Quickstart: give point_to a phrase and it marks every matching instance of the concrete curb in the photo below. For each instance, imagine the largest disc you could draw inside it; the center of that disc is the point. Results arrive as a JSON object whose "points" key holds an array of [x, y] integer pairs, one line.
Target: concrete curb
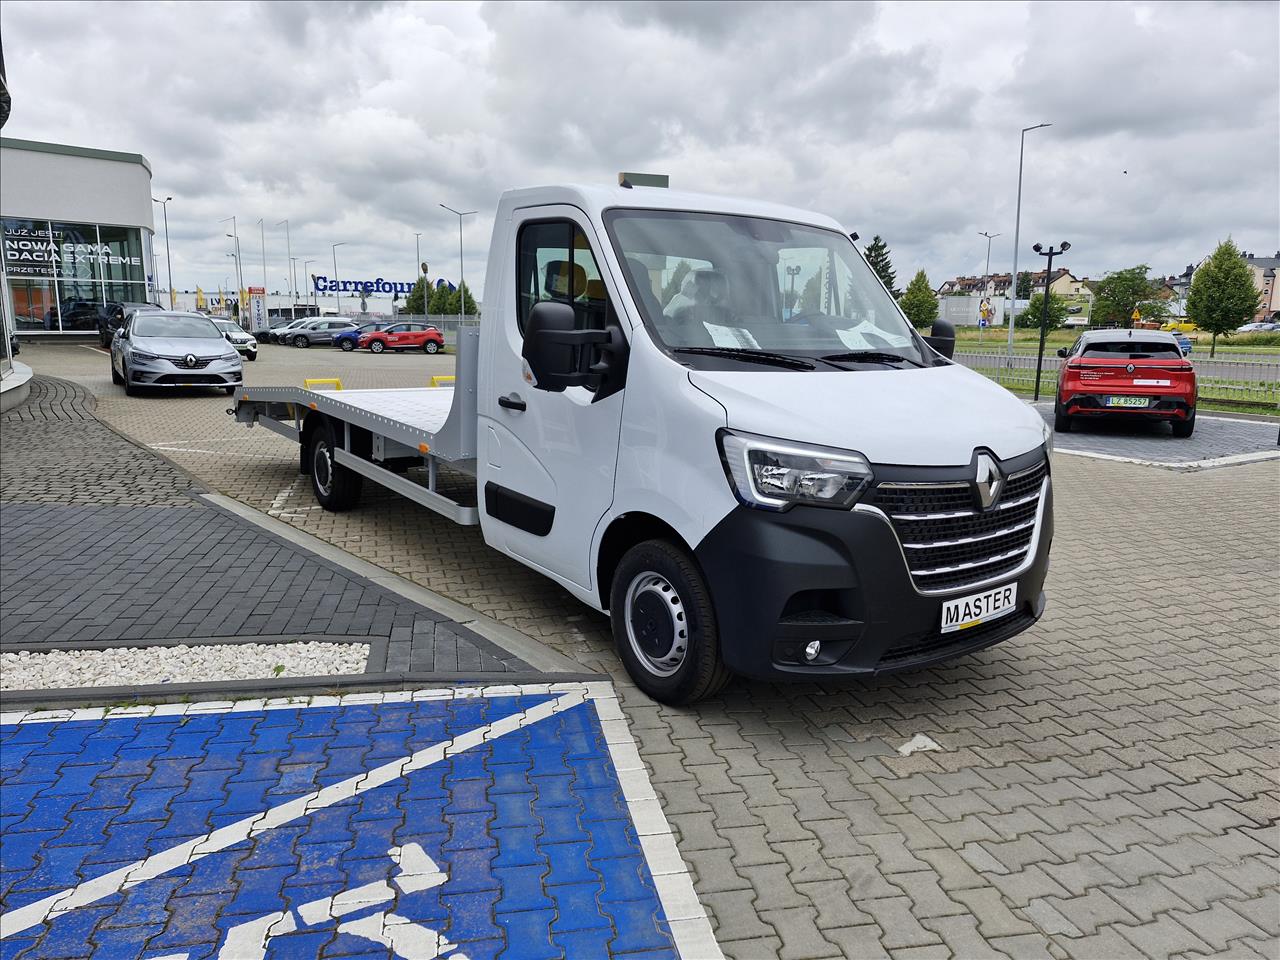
{"points": [[273, 687], [536, 654]]}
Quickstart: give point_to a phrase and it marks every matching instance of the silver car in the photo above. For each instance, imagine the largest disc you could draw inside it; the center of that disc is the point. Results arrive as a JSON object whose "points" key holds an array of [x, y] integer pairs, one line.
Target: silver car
{"points": [[166, 349]]}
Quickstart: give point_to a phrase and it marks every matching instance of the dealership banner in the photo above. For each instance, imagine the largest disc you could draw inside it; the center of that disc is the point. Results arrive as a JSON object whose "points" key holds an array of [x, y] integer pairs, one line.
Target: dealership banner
{"points": [[34, 248]]}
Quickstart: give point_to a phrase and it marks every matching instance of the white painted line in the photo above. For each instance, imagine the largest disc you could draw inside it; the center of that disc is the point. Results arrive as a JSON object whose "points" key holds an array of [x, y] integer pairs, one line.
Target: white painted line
{"points": [[1232, 459], [686, 918], [95, 889]]}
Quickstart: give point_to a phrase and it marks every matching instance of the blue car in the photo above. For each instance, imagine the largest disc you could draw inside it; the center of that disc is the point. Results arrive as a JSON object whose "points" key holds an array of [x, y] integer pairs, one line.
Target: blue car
{"points": [[348, 340], [1184, 342]]}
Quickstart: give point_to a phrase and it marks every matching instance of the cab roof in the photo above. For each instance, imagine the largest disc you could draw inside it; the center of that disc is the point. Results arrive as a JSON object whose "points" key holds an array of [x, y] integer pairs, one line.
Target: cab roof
{"points": [[594, 200], [1090, 336]]}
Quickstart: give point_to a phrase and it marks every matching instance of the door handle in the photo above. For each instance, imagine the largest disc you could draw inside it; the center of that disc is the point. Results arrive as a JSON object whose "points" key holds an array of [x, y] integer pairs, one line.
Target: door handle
{"points": [[512, 402]]}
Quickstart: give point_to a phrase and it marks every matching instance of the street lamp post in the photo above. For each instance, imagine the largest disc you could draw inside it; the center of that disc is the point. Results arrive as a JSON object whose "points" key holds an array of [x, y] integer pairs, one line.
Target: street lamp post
{"points": [[793, 272], [235, 235], [986, 281], [236, 260], [168, 258], [462, 284], [1044, 312], [338, 290], [417, 269], [262, 239], [315, 299], [1017, 226], [293, 284]]}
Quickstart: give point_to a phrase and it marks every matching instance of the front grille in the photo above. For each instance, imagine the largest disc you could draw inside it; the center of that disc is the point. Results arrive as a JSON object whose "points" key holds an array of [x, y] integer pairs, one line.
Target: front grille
{"points": [[199, 364], [191, 378], [948, 542]]}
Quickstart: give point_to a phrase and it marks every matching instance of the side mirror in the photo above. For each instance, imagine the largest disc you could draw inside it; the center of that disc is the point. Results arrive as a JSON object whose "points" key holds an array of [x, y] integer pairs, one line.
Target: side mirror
{"points": [[559, 355], [942, 338], [227, 336], [1062, 352]]}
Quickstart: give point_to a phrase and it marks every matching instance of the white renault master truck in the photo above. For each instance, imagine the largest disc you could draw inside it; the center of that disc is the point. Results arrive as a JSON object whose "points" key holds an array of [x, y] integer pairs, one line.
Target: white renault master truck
{"points": [[706, 417]]}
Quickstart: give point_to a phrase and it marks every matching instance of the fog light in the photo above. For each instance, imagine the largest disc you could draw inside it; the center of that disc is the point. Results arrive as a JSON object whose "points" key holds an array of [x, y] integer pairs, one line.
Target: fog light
{"points": [[812, 649]]}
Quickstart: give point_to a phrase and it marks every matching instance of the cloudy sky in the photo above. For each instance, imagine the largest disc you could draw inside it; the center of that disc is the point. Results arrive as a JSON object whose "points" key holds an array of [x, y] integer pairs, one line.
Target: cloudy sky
{"points": [[355, 120]]}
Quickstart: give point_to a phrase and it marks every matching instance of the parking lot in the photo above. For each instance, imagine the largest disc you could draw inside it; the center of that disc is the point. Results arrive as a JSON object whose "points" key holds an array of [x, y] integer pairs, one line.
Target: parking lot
{"points": [[1104, 785]]}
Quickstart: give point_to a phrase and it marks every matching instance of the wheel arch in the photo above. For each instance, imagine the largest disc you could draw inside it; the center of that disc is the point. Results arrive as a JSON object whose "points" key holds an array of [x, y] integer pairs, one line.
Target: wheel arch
{"points": [[623, 533]]}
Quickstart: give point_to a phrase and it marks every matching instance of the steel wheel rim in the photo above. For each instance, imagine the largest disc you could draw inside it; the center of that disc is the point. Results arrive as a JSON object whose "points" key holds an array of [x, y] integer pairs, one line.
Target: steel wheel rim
{"points": [[322, 468], [660, 645]]}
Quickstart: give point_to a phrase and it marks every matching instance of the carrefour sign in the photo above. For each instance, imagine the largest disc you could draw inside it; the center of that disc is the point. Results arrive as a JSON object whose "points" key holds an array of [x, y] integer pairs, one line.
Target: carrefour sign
{"points": [[325, 285]]}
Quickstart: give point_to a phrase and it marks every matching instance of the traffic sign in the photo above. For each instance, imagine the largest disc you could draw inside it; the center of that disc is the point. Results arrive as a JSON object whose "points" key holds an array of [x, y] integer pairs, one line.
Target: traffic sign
{"points": [[1136, 315]]}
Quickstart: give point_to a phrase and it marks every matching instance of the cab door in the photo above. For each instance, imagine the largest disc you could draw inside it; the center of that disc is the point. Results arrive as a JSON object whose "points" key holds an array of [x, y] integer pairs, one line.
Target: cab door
{"points": [[546, 461]]}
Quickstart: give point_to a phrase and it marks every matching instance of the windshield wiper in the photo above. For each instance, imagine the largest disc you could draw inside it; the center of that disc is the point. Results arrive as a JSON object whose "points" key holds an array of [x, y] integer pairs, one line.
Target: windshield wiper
{"points": [[750, 356], [871, 356]]}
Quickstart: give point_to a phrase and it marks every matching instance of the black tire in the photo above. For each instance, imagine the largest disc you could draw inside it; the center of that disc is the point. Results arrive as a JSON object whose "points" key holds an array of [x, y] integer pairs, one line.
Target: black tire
{"points": [[251, 356], [228, 390], [1184, 428], [347, 345], [1061, 422], [336, 488], [129, 389], [431, 347], [301, 341], [115, 377], [674, 661], [377, 346]]}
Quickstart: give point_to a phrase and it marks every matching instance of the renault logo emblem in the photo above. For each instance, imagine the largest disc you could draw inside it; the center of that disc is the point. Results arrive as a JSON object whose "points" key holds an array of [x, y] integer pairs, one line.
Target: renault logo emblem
{"points": [[988, 481], [1128, 368], [190, 359]]}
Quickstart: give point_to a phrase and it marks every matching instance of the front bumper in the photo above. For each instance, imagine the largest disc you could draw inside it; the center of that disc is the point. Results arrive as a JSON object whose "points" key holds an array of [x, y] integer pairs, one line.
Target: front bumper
{"points": [[780, 580], [164, 373], [1159, 407], [249, 348]]}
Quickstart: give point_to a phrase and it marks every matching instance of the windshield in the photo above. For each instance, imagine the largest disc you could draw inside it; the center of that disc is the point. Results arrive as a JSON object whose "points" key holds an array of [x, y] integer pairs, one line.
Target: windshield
{"points": [[715, 284], [1132, 349], [186, 328], [227, 326]]}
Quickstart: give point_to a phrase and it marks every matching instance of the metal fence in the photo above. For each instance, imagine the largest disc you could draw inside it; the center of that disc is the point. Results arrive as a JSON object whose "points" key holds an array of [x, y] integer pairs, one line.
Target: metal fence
{"points": [[1220, 381], [446, 324]]}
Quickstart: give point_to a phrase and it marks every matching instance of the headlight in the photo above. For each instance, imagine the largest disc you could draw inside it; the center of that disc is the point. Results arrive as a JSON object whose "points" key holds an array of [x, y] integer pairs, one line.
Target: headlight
{"points": [[775, 475], [230, 356], [1048, 440], [137, 356]]}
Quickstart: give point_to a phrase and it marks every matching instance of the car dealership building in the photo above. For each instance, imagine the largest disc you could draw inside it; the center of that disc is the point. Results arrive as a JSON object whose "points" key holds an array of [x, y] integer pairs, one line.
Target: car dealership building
{"points": [[76, 229]]}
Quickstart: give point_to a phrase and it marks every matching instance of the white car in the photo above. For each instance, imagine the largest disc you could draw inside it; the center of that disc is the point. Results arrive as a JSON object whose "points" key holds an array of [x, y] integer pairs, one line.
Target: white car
{"points": [[245, 343], [166, 349]]}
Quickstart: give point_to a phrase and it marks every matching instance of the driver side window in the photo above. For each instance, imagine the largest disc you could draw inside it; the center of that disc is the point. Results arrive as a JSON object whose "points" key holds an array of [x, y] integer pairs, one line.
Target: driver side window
{"points": [[554, 262]]}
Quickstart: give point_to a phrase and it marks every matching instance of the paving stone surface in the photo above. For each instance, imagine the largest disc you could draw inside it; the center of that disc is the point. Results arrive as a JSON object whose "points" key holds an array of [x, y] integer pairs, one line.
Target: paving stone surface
{"points": [[1216, 435], [126, 554], [1109, 783], [471, 824]]}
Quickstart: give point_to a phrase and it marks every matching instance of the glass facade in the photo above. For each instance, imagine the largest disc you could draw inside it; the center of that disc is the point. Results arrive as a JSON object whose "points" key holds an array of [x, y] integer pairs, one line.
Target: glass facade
{"points": [[63, 276]]}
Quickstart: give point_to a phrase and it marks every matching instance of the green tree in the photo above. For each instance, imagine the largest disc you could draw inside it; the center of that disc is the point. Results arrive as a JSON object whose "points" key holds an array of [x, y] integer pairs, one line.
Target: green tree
{"points": [[1222, 293], [1118, 293], [438, 303], [1024, 284], [471, 311], [1030, 317], [877, 254], [918, 301], [811, 295], [672, 286], [415, 302]]}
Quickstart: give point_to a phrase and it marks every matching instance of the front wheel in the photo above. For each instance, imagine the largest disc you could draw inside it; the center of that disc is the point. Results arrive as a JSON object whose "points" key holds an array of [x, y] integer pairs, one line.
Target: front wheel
{"points": [[336, 487], [115, 377], [129, 389], [664, 625], [431, 346], [301, 341], [347, 346], [1184, 428], [376, 347], [229, 390], [251, 356]]}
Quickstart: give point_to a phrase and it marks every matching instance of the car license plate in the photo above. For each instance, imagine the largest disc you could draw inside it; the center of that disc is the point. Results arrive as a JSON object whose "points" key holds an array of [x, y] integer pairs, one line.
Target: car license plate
{"points": [[1126, 401], [965, 612]]}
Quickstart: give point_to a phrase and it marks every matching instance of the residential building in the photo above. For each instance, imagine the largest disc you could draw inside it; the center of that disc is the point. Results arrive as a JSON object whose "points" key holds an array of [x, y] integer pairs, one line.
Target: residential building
{"points": [[1263, 270]]}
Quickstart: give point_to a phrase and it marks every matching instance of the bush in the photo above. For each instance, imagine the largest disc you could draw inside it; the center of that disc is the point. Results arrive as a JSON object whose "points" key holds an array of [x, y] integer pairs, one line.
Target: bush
{"points": [[1259, 339]]}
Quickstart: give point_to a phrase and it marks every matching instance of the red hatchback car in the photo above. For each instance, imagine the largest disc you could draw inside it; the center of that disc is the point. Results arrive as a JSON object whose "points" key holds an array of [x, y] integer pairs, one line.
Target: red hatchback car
{"points": [[1129, 373], [404, 336]]}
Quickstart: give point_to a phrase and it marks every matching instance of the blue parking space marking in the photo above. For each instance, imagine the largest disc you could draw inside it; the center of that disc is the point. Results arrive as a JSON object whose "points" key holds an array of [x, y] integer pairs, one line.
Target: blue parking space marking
{"points": [[443, 824]]}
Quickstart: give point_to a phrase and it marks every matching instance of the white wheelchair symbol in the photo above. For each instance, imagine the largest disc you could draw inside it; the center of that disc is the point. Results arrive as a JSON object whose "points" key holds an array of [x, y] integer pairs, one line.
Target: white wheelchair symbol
{"points": [[405, 939]]}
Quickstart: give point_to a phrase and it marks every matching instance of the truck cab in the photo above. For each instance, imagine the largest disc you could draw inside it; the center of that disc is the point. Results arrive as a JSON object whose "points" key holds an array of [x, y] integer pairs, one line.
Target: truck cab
{"points": [[706, 417]]}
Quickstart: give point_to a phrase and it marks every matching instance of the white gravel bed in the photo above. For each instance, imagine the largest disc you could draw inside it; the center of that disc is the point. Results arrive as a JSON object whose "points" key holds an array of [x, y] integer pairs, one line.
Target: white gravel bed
{"points": [[130, 666]]}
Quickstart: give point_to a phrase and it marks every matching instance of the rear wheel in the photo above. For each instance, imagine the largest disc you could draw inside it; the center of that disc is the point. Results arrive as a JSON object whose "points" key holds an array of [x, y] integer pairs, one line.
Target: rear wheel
{"points": [[335, 486], [1184, 428], [664, 625], [347, 345], [1061, 422], [431, 346], [377, 346]]}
